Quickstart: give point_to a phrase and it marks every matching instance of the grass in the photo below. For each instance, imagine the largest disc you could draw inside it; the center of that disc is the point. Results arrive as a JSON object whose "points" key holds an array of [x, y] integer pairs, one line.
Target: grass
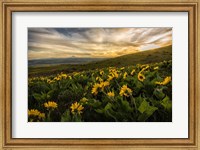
{"points": [[144, 57]]}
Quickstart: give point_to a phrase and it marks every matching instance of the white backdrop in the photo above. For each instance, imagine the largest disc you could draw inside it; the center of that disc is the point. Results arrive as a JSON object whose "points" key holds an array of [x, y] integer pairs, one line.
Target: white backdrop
{"points": [[21, 128]]}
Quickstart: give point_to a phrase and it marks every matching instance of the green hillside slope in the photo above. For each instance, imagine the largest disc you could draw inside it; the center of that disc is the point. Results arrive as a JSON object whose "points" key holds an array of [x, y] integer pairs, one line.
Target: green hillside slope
{"points": [[144, 57]]}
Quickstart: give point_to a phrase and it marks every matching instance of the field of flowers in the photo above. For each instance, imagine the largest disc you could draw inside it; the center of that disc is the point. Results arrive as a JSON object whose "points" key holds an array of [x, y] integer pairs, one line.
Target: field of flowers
{"points": [[129, 94]]}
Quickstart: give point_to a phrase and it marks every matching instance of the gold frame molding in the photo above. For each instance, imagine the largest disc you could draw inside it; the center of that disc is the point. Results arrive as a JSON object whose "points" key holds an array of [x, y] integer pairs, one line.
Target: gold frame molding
{"points": [[9, 6]]}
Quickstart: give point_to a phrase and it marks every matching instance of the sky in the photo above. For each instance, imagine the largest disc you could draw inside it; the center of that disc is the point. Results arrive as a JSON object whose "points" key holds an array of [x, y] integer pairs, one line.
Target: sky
{"points": [[94, 42]]}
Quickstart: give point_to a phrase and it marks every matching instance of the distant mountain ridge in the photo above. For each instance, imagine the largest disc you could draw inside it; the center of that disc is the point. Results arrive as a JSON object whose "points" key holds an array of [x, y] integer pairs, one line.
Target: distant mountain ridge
{"points": [[143, 57], [59, 61]]}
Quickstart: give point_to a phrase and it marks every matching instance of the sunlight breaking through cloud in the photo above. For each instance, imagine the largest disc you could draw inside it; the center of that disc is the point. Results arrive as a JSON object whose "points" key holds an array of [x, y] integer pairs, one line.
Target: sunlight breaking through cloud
{"points": [[94, 42]]}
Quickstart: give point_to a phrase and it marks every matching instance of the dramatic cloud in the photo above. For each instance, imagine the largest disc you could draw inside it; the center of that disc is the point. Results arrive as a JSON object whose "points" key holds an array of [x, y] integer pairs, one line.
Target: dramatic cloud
{"points": [[94, 42]]}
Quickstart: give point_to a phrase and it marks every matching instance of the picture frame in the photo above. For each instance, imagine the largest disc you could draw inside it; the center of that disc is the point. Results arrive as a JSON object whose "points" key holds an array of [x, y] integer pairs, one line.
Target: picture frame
{"points": [[10, 6]]}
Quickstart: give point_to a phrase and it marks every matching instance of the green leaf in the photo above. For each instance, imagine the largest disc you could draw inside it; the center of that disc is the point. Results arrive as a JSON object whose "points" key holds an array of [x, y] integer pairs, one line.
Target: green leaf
{"points": [[108, 106], [138, 101], [50, 93], [166, 103], [66, 116], [159, 94], [76, 118], [110, 113], [37, 96], [94, 103], [147, 113], [126, 106], [144, 106], [101, 111]]}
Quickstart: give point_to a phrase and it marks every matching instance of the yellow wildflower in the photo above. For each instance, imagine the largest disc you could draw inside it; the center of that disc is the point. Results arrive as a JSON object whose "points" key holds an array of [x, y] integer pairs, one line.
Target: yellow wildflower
{"points": [[95, 89], [36, 113], [133, 71], [115, 74], [76, 107], [110, 78], [41, 115], [99, 79], [141, 77], [50, 104], [122, 68], [156, 68], [42, 78], [63, 75], [101, 72], [111, 94], [50, 81], [125, 91], [98, 86], [165, 81], [106, 83], [145, 68], [125, 75], [57, 78], [33, 112], [142, 66]]}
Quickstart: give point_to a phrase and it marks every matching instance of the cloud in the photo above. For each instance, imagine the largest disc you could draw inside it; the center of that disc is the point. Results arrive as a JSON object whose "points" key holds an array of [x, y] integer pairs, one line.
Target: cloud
{"points": [[94, 42]]}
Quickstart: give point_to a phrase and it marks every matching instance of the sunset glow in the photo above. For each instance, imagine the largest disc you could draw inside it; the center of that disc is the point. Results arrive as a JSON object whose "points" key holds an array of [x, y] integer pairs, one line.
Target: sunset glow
{"points": [[94, 42]]}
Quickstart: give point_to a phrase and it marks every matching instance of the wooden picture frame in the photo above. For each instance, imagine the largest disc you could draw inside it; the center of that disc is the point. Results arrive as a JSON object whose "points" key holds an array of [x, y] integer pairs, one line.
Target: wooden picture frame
{"points": [[9, 6]]}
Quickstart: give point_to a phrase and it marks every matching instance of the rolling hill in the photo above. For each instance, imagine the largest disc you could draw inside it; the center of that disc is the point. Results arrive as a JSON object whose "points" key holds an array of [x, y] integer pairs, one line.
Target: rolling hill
{"points": [[144, 57]]}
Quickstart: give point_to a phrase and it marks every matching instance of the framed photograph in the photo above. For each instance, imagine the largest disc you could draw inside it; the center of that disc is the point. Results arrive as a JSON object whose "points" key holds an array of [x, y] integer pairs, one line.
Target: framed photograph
{"points": [[107, 75]]}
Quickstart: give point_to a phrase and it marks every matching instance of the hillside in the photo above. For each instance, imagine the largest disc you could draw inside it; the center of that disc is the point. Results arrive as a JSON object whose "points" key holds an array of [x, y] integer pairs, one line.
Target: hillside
{"points": [[144, 57]]}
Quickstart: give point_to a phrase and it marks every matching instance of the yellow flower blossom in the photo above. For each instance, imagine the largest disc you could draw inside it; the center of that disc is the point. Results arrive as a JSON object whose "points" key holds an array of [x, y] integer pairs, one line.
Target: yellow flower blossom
{"points": [[125, 91], [106, 83], [50, 104], [111, 94], [165, 81], [133, 71], [122, 68], [99, 79], [95, 89], [110, 78], [41, 116], [76, 107], [112, 75], [63, 75], [33, 112], [50, 81], [100, 86], [36, 113], [42, 78], [141, 77], [145, 68], [101, 72], [156, 68], [142, 66], [115, 75], [57, 78], [125, 75]]}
